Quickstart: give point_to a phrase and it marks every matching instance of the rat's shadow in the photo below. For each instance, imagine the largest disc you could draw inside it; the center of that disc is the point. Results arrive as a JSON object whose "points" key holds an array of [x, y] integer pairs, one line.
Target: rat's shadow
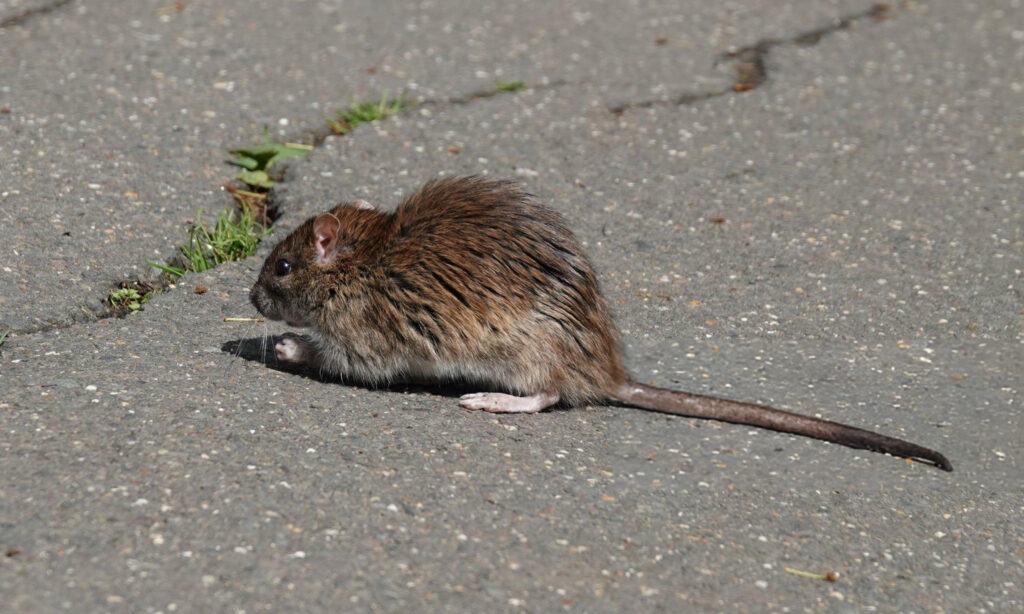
{"points": [[261, 350]]}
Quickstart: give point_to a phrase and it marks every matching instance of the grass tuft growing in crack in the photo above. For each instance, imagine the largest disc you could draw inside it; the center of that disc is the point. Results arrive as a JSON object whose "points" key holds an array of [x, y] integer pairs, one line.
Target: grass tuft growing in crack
{"points": [[3, 337], [509, 86], [366, 112], [235, 235], [237, 232]]}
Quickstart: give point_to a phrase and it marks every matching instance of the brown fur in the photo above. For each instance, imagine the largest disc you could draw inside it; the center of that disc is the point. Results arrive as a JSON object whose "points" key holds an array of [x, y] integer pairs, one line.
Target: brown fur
{"points": [[478, 281], [473, 275]]}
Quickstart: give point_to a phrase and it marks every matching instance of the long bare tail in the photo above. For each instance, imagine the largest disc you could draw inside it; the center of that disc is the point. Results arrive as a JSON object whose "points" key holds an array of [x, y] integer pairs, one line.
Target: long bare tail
{"points": [[698, 406]]}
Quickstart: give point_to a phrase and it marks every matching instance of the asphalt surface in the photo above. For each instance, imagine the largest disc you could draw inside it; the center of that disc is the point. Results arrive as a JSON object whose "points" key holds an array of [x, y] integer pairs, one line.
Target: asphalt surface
{"points": [[845, 239]]}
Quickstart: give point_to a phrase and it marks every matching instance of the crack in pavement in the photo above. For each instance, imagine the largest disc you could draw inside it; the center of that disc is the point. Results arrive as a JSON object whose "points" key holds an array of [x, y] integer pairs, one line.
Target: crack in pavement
{"points": [[79, 314], [681, 100], [85, 312], [318, 135], [21, 18], [750, 62], [490, 93], [95, 309]]}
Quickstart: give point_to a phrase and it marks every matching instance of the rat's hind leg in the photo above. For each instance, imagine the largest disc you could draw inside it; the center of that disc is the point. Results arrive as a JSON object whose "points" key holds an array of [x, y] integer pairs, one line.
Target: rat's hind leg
{"points": [[498, 403]]}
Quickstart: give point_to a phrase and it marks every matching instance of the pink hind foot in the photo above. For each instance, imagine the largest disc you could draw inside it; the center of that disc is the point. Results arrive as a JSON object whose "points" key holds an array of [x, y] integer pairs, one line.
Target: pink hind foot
{"points": [[498, 403]]}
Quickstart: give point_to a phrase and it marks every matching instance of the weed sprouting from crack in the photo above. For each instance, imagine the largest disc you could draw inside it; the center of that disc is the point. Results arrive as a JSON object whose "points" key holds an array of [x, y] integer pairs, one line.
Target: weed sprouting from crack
{"points": [[126, 300], [259, 175], [129, 297], [257, 162], [237, 232], [235, 235], [509, 86], [366, 112], [3, 337]]}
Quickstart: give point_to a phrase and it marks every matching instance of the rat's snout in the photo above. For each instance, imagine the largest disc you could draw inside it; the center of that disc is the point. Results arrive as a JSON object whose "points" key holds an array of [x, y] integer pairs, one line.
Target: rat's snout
{"points": [[272, 307], [259, 299], [254, 298]]}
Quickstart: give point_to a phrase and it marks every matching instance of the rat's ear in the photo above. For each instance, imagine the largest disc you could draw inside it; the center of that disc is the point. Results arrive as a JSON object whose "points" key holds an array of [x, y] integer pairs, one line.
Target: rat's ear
{"points": [[326, 228], [362, 204]]}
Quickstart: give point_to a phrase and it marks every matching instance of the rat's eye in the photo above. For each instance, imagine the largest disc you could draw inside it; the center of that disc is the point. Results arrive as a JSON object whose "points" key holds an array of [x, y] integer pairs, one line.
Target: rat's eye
{"points": [[282, 267]]}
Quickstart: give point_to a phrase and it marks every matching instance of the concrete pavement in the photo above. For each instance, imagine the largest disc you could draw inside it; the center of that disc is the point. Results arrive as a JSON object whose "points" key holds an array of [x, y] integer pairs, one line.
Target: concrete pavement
{"points": [[846, 239]]}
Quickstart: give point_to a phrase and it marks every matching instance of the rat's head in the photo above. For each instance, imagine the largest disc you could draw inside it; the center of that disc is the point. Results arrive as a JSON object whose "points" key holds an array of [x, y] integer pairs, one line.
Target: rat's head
{"points": [[306, 268]]}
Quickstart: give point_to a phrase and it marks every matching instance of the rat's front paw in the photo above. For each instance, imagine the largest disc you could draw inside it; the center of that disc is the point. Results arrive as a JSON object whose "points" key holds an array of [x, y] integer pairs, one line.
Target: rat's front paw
{"points": [[292, 349]]}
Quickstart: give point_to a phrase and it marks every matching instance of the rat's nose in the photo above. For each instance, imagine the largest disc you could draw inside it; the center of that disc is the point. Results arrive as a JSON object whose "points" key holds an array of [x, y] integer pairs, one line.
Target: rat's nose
{"points": [[256, 298]]}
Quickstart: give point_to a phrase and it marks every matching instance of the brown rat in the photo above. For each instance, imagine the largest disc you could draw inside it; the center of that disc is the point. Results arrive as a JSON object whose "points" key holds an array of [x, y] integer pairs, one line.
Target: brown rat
{"points": [[477, 281]]}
